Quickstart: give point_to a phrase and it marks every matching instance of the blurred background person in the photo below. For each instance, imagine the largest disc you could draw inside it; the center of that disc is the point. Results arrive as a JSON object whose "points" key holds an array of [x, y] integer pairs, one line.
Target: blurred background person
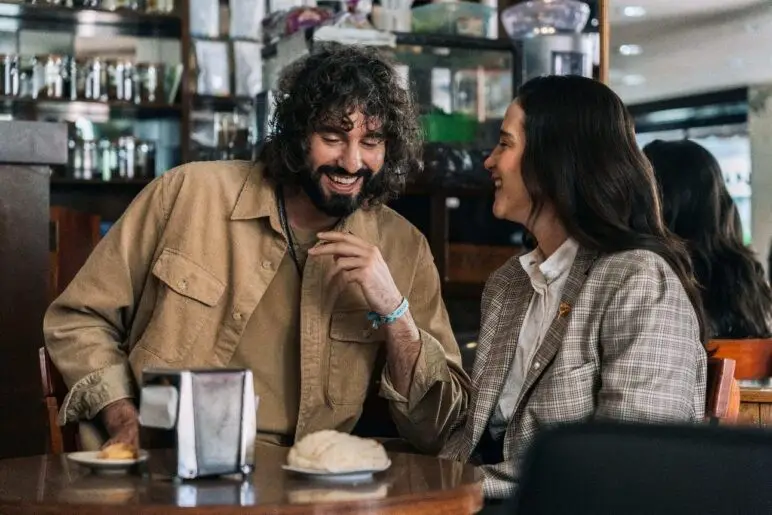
{"points": [[698, 208]]}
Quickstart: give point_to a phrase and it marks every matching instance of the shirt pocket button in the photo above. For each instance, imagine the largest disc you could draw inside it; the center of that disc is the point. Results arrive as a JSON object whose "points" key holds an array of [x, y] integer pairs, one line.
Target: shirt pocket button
{"points": [[267, 265], [237, 316]]}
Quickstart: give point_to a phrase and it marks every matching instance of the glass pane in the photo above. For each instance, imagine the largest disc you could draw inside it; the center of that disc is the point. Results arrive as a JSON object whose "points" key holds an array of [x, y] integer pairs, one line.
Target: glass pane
{"points": [[462, 93], [733, 154]]}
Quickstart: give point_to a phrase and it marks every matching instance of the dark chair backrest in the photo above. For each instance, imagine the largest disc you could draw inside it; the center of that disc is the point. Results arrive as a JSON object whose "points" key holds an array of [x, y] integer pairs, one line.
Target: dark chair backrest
{"points": [[645, 469]]}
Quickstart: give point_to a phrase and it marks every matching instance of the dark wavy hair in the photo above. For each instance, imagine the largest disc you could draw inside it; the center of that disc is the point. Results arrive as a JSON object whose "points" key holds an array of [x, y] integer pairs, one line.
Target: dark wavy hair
{"points": [[581, 157], [324, 88], [698, 208]]}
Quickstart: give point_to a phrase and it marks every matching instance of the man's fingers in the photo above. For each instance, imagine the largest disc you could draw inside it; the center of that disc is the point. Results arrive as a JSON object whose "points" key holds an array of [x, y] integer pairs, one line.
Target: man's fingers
{"points": [[344, 264], [338, 249], [337, 236], [129, 437]]}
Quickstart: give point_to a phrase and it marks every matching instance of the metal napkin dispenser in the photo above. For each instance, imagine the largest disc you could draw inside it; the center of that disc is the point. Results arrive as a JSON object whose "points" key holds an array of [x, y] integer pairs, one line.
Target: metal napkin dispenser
{"points": [[210, 413]]}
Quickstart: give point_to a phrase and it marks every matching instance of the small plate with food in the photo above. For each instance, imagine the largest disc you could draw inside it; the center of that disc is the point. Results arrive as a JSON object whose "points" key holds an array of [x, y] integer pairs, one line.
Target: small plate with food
{"points": [[334, 456], [117, 457]]}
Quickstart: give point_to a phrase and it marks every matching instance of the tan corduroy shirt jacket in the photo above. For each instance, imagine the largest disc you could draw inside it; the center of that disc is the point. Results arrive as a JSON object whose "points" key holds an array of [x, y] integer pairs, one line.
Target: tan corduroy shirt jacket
{"points": [[175, 281]]}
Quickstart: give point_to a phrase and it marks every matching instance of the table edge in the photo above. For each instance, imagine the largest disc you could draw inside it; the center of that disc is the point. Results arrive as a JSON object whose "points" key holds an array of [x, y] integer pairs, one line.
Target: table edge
{"points": [[469, 496]]}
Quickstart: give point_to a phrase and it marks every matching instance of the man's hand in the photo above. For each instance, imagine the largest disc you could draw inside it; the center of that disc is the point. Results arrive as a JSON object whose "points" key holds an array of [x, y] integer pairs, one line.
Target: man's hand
{"points": [[360, 262], [122, 422]]}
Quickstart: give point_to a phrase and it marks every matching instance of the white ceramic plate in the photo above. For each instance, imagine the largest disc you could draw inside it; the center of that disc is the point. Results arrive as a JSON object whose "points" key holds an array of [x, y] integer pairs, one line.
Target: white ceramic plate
{"points": [[91, 460], [338, 477]]}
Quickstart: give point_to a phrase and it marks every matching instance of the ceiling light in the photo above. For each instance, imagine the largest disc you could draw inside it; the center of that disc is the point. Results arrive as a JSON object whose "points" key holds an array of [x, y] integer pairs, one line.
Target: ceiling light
{"points": [[633, 80], [751, 27], [634, 11], [630, 49], [615, 74]]}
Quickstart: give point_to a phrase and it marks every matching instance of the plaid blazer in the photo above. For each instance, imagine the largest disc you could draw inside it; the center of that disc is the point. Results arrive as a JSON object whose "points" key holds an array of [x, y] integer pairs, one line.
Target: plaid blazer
{"points": [[624, 345]]}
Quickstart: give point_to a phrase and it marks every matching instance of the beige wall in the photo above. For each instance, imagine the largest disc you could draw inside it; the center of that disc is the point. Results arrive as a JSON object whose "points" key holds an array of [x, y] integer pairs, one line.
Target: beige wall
{"points": [[760, 130]]}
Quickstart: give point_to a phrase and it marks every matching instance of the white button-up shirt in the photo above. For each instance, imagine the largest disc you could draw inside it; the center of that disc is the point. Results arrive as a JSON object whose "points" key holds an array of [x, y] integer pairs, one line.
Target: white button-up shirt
{"points": [[547, 279]]}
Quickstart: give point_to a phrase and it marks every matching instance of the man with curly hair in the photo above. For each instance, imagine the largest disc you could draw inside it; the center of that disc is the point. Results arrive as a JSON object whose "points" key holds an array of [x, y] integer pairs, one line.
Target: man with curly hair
{"points": [[290, 266]]}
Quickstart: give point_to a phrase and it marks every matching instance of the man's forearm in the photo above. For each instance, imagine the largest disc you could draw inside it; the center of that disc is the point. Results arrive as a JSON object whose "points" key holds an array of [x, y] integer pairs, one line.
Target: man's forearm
{"points": [[403, 342]]}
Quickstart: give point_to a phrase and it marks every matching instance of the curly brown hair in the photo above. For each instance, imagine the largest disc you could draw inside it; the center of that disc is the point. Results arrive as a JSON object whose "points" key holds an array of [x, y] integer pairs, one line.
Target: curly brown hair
{"points": [[324, 88]]}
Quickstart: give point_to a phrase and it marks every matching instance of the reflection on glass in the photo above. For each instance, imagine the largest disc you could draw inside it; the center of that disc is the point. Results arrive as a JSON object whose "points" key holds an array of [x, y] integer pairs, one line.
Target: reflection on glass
{"points": [[733, 154], [731, 147]]}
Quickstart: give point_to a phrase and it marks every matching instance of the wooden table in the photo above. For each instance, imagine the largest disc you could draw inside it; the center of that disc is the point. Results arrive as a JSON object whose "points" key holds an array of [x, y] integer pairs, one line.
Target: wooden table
{"points": [[413, 485], [756, 407]]}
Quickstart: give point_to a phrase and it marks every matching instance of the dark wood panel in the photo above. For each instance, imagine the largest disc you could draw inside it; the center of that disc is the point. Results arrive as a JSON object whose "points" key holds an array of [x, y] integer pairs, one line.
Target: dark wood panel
{"points": [[24, 274], [109, 204], [75, 234]]}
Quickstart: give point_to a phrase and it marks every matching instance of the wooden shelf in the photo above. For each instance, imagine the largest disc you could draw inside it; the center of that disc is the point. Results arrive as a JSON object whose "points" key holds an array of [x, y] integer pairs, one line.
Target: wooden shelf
{"points": [[427, 40], [65, 108], [226, 39], [213, 103], [88, 22], [453, 41]]}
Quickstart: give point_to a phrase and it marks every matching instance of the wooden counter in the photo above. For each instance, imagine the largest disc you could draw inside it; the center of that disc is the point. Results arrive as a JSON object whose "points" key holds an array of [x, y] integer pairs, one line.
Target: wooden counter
{"points": [[756, 407]]}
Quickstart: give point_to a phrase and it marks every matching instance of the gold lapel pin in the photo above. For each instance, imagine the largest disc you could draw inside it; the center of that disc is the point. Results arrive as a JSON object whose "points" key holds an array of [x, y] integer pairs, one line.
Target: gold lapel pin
{"points": [[564, 309]]}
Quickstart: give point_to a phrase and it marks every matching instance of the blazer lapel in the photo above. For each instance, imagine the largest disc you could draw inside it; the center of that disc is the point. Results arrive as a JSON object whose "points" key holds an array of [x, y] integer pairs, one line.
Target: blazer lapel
{"points": [[502, 339], [554, 337]]}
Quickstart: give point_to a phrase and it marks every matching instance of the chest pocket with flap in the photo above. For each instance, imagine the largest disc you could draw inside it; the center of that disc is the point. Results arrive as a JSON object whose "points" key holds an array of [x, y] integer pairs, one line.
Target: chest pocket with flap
{"points": [[186, 299], [354, 347]]}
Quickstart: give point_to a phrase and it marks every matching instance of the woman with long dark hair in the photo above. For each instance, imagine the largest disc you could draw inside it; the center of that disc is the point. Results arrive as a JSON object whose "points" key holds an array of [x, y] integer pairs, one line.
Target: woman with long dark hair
{"points": [[698, 208], [603, 320]]}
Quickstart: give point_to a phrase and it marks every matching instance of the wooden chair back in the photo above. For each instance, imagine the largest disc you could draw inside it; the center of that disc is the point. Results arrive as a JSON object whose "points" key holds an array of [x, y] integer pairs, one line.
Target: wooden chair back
{"points": [[73, 235], [60, 439], [723, 393], [753, 356]]}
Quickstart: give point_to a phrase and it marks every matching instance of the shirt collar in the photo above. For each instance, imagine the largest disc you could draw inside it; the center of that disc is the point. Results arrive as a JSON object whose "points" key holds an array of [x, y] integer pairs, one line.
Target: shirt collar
{"points": [[545, 272], [257, 199]]}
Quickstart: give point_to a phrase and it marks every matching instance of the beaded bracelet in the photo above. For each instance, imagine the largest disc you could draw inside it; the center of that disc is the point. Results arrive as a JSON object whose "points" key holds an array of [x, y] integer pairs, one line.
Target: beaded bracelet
{"points": [[379, 320]]}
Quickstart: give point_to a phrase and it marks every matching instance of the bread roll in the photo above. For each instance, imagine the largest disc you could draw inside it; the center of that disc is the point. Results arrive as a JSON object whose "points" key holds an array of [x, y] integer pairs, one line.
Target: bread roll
{"points": [[118, 451], [333, 451]]}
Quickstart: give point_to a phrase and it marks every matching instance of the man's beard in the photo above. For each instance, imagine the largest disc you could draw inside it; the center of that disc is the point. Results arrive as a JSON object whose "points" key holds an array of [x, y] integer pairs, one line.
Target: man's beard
{"points": [[336, 204]]}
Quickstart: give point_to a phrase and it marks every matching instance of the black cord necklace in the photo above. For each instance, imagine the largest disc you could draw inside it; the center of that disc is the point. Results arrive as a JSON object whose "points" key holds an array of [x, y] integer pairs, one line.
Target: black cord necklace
{"points": [[286, 228]]}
